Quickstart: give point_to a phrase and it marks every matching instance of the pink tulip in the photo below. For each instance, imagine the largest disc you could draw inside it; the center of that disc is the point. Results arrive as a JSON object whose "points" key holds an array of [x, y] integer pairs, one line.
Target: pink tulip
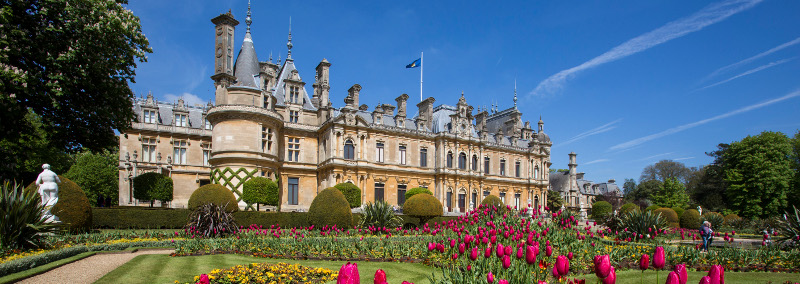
{"points": [[644, 262], [673, 278], [348, 274], [502, 281], [490, 277], [548, 250], [507, 250], [406, 282], [602, 266], [380, 277], [474, 254], [612, 277], [506, 261], [488, 252], [520, 252], [530, 255], [562, 263], [683, 275], [717, 274], [659, 259], [461, 248], [203, 279], [705, 280]]}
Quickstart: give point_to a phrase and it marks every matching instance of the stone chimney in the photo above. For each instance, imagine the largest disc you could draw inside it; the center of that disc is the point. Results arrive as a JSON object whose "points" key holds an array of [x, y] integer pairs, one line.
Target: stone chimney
{"points": [[612, 181], [425, 117], [377, 115], [400, 118], [322, 89], [352, 96]]}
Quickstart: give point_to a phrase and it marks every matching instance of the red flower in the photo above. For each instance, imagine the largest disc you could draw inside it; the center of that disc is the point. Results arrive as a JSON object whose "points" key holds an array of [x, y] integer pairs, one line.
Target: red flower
{"points": [[612, 277], [530, 255], [659, 259], [644, 262], [562, 263], [705, 280], [490, 277], [673, 278], [474, 254], [548, 250], [500, 250], [506, 261], [203, 279], [348, 274], [683, 275], [380, 277], [602, 266], [717, 274]]}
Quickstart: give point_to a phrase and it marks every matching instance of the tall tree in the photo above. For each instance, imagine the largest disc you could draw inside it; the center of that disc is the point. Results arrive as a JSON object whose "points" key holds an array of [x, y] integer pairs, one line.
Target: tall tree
{"points": [[97, 174], [70, 63], [646, 190], [796, 161], [759, 172], [706, 185], [24, 154], [672, 193], [629, 187], [664, 170]]}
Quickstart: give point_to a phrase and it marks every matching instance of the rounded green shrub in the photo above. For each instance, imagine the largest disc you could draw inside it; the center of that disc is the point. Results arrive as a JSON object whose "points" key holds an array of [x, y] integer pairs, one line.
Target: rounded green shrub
{"points": [[153, 186], [491, 200], [163, 189], [601, 210], [652, 207], [628, 207], [72, 208], [214, 194], [714, 218], [731, 218], [678, 211], [670, 215], [260, 190], [690, 219], [351, 192], [330, 207], [423, 206], [417, 190]]}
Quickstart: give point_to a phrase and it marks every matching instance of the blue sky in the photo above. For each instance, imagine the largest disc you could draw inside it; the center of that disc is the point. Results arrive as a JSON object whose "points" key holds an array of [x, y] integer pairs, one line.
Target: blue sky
{"points": [[624, 85]]}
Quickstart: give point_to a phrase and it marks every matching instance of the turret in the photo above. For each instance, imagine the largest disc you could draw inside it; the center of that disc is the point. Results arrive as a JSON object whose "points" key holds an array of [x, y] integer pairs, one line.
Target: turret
{"points": [[225, 26]]}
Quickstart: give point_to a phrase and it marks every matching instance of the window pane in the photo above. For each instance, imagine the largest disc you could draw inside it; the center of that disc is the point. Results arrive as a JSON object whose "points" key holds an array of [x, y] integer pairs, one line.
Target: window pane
{"points": [[423, 157], [293, 190], [378, 192], [401, 194]]}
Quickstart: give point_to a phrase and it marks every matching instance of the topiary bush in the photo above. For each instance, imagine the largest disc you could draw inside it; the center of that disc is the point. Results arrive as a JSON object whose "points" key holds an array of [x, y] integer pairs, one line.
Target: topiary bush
{"points": [[214, 194], [715, 219], [601, 210], [351, 192], [678, 211], [152, 186], [731, 219], [690, 219], [628, 207], [491, 200], [417, 190], [670, 215], [652, 208], [72, 208], [260, 190], [330, 207], [424, 207], [163, 189]]}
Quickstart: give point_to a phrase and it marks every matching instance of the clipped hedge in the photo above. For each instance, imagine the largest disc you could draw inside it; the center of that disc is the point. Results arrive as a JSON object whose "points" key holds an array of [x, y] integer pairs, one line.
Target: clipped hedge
{"points": [[670, 215], [601, 210], [351, 192], [491, 200], [690, 219], [214, 194], [628, 207], [153, 186], [731, 218], [652, 208], [330, 207], [678, 211], [72, 208], [260, 190], [417, 190], [423, 206]]}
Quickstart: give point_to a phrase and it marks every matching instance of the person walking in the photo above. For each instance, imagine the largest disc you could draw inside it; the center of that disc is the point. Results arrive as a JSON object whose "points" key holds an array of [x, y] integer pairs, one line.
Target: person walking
{"points": [[707, 233]]}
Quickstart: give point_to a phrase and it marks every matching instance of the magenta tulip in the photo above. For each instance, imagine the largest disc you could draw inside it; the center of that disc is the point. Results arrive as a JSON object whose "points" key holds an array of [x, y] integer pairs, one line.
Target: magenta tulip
{"points": [[683, 275], [474, 254], [717, 274], [705, 280], [562, 263], [500, 250], [502, 281], [506, 261], [348, 274], [612, 277], [380, 277], [569, 255], [520, 252], [461, 248], [203, 279], [644, 262], [530, 255], [508, 250], [490, 277], [488, 252], [602, 266], [659, 259], [673, 278], [548, 250]]}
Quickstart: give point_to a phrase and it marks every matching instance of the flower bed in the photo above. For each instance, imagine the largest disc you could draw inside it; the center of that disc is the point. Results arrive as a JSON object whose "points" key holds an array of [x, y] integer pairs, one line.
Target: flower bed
{"points": [[268, 273]]}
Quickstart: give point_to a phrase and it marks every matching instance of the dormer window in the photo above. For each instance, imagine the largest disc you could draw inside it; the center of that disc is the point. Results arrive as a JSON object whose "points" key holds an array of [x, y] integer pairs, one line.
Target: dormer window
{"points": [[180, 120], [294, 95], [207, 125], [294, 116], [150, 116]]}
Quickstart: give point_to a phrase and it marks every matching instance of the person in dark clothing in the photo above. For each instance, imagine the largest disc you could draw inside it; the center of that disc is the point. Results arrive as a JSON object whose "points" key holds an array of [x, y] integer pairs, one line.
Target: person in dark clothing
{"points": [[707, 234]]}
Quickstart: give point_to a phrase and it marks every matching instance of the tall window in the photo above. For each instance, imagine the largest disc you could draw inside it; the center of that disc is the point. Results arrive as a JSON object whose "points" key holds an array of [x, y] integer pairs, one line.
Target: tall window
{"points": [[449, 159], [423, 157], [449, 200], [179, 152], [536, 172], [149, 150], [293, 190], [293, 147], [474, 199], [294, 94], [517, 169], [349, 150], [401, 194], [462, 161], [150, 116], [378, 191], [502, 167], [516, 200], [206, 154], [379, 152], [402, 154], [180, 120], [486, 165], [266, 139], [207, 124], [503, 197], [474, 162], [294, 116], [266, 101]]}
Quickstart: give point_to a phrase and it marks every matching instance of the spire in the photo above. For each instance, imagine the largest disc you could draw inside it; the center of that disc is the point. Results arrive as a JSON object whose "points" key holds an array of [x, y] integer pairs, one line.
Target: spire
{"points": [[248, 20], [289, 44], [270, 57], [515, 92], [246, 67]]}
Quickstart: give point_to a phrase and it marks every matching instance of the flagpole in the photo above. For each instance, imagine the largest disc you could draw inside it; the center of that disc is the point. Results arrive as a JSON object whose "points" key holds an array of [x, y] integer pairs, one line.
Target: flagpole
{"points": [[420, 75]]}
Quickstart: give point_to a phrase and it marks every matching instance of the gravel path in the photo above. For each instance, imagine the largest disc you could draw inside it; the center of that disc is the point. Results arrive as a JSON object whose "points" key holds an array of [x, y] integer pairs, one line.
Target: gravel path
{"points": [[90, 269]]}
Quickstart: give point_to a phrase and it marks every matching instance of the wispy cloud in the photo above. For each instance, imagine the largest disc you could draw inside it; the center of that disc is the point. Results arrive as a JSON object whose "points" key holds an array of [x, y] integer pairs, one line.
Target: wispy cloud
{"points": [[597, 130], [597, 161], [654, 156], [189, 99], [750, 59], [709, 15], [638, 141], [684, 158], [748, 72]]}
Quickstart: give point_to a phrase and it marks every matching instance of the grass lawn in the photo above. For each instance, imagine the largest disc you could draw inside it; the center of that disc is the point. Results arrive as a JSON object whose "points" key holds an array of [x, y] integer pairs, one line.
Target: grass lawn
{"points": [[634, 277], [166, 269]]}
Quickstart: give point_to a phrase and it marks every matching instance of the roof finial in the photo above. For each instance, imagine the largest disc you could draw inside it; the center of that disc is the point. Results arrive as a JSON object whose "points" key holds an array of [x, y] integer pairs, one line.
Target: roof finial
{"points": [[515, 92], [270, 57], [248, 20], [289, 44]]}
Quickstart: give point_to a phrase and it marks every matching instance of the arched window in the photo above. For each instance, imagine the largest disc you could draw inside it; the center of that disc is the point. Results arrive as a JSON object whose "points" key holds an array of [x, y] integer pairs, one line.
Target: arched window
{"points": [[349, 150], [474, 162], [462, 161], [536, 172], [449, 159]]}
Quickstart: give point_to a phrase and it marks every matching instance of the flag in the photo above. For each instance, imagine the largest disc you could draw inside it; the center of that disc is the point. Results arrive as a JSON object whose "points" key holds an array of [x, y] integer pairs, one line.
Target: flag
{"points": [[415, 64]]}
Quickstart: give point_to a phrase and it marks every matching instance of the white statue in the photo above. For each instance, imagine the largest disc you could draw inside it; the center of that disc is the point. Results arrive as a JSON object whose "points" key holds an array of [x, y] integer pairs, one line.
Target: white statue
{"points": [[48, 190]]}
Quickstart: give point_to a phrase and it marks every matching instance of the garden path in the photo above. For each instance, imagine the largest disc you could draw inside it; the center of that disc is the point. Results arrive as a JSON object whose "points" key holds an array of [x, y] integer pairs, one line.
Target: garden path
{"points": [[90, 269]]}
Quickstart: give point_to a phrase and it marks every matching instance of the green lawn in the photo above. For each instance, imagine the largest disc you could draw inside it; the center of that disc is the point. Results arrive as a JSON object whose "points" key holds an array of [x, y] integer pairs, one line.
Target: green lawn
{"points": [[166, 269], [634, 277]]}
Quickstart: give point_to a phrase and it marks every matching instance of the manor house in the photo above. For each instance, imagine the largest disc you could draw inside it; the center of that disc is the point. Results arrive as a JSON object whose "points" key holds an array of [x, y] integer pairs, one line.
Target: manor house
{"points": [[264, 122]]}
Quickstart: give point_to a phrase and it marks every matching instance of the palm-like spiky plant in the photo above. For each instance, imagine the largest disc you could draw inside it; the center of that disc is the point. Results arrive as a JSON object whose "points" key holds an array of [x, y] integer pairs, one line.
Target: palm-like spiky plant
{"points": [[643, 222], [23, 224], [380, 215], [210, 221], [789, 229]]}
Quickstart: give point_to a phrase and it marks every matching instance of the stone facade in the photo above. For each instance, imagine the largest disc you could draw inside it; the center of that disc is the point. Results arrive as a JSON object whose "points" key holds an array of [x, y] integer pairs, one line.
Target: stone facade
{"points": [[265, 123], [578, 193]]}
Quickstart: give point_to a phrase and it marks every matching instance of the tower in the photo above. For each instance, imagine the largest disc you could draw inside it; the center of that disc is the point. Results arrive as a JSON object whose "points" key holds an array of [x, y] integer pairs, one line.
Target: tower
{"points": [[225, 25]]}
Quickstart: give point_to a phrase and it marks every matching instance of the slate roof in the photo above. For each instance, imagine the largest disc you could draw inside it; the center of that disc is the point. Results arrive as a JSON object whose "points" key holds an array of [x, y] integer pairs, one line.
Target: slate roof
{"points": [[280, 91], [246, 68], [165, 113], [559, 181]]}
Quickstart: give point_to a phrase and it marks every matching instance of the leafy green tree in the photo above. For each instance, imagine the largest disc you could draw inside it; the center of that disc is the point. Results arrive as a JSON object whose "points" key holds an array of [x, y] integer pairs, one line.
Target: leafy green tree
{"points": [[22, 156], [707, 186], [671, 194], [664, 170], [646, 190], [796, 161], [260, 190], [69, 62], [759, 174], [554, 200], [628, 188], [97, 175]]}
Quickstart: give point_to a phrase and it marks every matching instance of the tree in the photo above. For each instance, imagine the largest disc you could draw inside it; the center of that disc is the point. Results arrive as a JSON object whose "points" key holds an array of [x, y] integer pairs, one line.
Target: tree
{"points": [[612, 198], [554, 200], [645, 190], [663, 170], [22, 156], [796, 161], [628, 188], [97, 175], [759, 173], [672, 193], [70, 64], [260, 190], [706, 185]]}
